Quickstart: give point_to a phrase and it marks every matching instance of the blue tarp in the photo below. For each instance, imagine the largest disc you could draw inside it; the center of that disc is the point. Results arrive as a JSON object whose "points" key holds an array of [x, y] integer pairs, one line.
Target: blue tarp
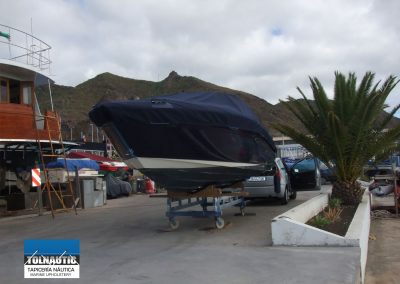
{"points": [[175, 118], [74, 163], [201, 109]]}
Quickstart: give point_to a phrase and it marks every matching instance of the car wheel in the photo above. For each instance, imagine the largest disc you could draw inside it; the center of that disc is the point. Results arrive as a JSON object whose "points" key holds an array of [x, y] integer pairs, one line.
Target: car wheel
{"points": [[285, 198], [293, 194]]}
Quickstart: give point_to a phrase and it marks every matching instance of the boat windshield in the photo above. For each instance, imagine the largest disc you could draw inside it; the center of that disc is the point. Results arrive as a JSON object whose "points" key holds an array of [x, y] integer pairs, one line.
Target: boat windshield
{"points": [[118, 141]]}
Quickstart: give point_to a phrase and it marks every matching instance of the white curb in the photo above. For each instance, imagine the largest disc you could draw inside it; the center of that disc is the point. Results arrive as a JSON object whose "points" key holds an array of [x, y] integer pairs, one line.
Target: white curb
{"points": [[289, 228]]}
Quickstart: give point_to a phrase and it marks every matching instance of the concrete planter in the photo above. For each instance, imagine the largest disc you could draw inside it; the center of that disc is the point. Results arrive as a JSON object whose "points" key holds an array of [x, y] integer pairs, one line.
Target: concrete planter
{"points": [[289, 228]]}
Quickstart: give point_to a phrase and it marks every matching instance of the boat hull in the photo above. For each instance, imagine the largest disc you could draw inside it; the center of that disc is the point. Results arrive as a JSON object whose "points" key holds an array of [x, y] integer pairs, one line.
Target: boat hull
{"points": [[193, 175], [189, 166]]}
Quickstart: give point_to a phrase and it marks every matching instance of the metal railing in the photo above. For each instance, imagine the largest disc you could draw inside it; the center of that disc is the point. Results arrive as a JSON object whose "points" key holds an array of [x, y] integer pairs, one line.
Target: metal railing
{"points": [[25, 48]]}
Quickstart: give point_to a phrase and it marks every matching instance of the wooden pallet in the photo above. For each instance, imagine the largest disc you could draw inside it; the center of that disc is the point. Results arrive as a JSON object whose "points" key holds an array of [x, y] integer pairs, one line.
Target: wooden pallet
{"points": [[211, 191]]}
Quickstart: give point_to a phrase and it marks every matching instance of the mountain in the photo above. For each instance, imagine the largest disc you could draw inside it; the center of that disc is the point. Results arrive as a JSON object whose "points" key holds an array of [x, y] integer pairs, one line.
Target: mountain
{"points": [[74, 103]]}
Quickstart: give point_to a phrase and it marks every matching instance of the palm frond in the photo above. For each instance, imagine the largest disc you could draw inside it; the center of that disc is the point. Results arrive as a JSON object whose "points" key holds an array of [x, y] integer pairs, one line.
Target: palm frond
{"points": [[389, 117], [344, 132]]}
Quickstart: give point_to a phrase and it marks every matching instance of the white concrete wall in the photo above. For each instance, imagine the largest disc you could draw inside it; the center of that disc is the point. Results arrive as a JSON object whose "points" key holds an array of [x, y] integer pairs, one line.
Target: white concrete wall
{"points": [[289, 228], [305, 211], [359, 230]]}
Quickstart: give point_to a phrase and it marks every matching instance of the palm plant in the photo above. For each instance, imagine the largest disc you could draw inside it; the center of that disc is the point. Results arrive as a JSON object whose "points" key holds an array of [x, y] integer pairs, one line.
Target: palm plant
{"points": [[345, 132]]}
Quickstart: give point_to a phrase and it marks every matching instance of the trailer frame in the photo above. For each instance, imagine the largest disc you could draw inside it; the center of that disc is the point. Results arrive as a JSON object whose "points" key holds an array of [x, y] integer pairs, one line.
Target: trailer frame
{"points": [[210, 197]]}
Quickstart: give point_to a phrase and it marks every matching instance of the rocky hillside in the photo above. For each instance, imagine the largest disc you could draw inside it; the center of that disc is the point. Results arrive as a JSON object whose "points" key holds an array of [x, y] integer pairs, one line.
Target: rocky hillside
{"points": [[74, 103]]}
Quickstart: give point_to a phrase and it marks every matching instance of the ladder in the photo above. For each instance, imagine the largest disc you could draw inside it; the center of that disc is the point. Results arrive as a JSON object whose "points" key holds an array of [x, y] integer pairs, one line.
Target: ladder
{"points": [[52, 126]]}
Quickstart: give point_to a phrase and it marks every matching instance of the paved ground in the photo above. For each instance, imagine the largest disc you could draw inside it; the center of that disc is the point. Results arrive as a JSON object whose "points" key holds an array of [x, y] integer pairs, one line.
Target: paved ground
{"points": [[383, 264], [129, 241]]}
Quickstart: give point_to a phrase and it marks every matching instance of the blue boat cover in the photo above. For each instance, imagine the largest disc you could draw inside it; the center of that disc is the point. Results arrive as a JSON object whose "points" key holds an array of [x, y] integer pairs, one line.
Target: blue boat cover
{"points": [[205, 109], [74, 163]]}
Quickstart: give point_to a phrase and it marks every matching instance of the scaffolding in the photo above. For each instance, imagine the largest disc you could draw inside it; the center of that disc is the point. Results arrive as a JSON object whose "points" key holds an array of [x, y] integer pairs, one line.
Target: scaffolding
{"points": [[54, 149]]}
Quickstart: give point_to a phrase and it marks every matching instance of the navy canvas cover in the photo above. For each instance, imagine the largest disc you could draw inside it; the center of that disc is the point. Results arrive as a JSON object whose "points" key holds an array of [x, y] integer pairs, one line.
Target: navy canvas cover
{"points": [[195, 126]]}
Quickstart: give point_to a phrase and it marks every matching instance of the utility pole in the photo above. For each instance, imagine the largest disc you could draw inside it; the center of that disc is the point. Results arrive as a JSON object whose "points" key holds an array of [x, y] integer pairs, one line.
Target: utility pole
{"points": [[92, 131]]}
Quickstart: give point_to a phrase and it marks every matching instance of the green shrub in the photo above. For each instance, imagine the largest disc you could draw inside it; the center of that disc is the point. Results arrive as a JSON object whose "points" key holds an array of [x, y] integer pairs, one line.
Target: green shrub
{"points": [[334, 203], [320, 222]]}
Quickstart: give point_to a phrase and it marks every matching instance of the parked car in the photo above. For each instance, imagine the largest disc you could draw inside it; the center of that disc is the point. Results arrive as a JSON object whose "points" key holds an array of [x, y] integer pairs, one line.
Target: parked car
{"points": [[306, 174], [283, 183], [327, 174], [275, 183]]}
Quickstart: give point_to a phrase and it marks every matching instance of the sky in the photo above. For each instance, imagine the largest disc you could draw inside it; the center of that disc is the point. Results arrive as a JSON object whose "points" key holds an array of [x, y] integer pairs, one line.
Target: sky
{"points": [[266, 48]]}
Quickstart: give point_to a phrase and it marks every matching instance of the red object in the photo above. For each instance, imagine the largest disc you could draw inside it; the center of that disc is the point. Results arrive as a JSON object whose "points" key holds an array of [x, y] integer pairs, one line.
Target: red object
{"points": [[150, 186], [36, 180], [82, 155], [106, 164], [278, 174], [110, 168]]}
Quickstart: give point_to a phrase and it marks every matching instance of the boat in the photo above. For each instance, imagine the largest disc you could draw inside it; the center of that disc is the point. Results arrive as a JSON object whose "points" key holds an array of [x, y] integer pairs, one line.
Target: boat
{"points": [[188, 141], [24, 124]]}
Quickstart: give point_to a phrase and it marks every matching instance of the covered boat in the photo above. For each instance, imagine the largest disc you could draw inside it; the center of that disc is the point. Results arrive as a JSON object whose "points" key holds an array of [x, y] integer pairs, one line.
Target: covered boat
{"points": [[188, 141]]}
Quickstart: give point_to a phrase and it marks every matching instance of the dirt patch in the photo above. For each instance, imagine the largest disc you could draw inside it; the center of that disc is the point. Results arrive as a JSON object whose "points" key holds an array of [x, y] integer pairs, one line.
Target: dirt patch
{"points": [[342, 223]]}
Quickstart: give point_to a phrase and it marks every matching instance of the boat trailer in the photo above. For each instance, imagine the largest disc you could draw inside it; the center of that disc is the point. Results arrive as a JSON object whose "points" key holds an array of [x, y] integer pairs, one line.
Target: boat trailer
{"points": [[211, 197]]}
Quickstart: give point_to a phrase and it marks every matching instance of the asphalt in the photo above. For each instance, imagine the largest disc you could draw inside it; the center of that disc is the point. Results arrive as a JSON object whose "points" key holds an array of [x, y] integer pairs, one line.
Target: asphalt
{"points": [[383, 264], [129, 241]]}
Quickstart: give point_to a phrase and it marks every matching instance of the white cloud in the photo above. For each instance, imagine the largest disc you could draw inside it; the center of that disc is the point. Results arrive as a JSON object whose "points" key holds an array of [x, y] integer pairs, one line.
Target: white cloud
{"points": [[263, 47]]}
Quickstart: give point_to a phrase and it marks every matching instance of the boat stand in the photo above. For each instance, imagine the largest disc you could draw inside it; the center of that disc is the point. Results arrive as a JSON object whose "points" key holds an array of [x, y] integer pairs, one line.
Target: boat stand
{"points": [[212, 197]]}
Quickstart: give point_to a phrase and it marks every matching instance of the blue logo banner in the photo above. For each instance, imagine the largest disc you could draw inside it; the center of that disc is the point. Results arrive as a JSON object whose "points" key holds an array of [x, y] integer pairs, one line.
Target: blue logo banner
{"points": [[51, 247], [51, 258]]}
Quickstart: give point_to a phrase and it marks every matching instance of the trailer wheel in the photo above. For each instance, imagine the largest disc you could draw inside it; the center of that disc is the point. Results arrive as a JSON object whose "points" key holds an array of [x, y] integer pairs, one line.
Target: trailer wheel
{"points": [[219, 223], [173, 224]]}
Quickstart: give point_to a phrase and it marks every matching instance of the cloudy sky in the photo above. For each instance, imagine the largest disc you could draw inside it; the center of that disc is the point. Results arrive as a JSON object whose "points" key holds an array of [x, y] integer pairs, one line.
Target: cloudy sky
{"points": [[266, 48]]}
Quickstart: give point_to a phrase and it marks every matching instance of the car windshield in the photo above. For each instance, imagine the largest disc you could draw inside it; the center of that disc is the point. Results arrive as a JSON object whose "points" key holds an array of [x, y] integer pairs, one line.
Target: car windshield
{"points": [[322, 166]]}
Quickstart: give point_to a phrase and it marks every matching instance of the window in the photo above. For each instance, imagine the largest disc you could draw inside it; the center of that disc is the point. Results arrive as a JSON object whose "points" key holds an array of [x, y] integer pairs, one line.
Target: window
{"points": [[27, 93], [14, 91], [3, 91], [306, 165], [322, 166], [280, 165]]}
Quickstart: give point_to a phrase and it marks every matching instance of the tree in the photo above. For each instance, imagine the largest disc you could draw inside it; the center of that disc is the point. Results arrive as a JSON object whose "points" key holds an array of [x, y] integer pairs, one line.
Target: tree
{"points": [[345, 132]]}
